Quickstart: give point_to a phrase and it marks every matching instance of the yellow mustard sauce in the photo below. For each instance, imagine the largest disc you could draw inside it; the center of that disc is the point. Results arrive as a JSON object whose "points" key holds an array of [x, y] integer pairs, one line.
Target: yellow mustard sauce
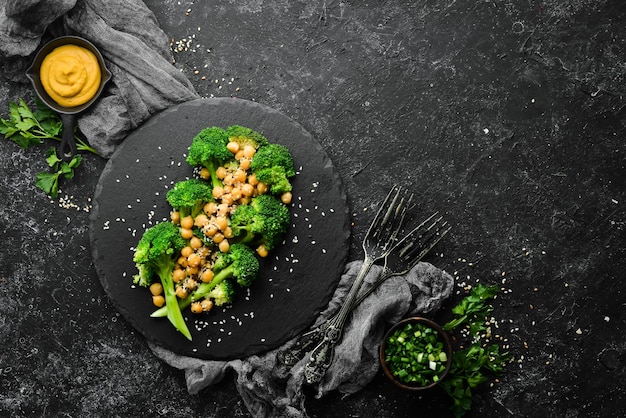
{"points": [[70, 74]]}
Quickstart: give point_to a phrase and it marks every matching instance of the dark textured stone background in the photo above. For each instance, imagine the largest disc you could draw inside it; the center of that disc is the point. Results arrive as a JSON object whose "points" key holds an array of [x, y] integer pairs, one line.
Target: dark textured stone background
{"points": [[508, 115]]}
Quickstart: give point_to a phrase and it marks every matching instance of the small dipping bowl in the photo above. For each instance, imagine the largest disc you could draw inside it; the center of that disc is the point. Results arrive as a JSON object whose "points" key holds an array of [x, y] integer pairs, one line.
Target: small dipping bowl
{"points": [[441, 336], [67, 149]]}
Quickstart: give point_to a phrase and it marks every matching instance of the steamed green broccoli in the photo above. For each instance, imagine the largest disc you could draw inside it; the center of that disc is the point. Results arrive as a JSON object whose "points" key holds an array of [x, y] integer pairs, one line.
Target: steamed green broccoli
{"points": [[263, 221], [273, 165], [208, 149], [223, 293], [156, 254], [188, 197], [246, 136], [239, 263], [276, 179]]}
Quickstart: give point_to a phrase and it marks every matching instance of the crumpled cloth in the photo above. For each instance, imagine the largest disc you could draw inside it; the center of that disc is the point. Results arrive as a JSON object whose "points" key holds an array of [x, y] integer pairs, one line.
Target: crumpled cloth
{"points": [[134, 47], [270, 389]]}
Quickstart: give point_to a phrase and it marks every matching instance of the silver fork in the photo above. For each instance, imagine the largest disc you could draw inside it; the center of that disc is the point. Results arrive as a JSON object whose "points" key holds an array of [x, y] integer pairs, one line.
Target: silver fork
{"points": [[381, 237], [403, 257]]}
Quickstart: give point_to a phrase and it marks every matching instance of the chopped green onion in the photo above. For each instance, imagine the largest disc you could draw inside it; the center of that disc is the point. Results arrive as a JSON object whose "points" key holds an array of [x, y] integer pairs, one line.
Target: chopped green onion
{"points": [[415, 354]]}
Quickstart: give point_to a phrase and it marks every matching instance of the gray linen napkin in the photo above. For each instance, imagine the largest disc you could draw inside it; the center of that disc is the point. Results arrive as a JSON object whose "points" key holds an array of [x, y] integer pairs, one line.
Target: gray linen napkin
{"points": [[270, 389], [133, 45]]}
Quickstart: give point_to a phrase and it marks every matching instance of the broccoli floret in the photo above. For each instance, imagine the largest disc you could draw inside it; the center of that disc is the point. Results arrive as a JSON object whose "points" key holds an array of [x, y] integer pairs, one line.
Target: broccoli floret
{"points": [[223, 293], [263, 221], [156, 254], [238, 263], [273, 155], [273, 165], [208, 149], [189, 196], [246, 136], [276, 178]]}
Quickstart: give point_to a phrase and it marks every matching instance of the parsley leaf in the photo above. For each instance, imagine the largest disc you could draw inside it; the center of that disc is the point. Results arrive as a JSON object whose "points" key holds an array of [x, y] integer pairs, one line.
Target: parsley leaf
{"points": [[49, 181], [30, 127], [471, 365]]}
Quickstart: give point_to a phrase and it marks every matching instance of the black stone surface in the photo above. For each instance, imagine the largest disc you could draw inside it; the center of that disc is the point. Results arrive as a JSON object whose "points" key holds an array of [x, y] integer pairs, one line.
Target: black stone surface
{"points": [[509, 116], [295, 283]]}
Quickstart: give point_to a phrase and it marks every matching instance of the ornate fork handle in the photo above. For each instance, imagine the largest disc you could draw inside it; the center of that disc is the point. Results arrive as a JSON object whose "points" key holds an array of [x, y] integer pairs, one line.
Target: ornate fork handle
{"points": [[305, 343], [322, 355], [329, 330]]}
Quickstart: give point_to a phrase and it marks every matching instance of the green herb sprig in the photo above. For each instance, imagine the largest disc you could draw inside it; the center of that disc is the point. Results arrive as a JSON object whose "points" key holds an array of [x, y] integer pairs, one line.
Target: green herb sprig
{"points": [[31, 127], [49, 181], [472, 365]]}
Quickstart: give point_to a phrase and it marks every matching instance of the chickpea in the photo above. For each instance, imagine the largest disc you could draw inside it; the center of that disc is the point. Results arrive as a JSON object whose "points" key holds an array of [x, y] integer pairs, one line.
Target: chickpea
{"points": [[247, 189], [191, 284], [186, 233], [217, 238], [181, 292], [187, 222], [195, 243], [156, 288], [286, 198], [249, 151], [228, 232], [221, 222], [233, 147], [210, 208], [244, 164], [239, 155], [205, 173], [193, 260], [192, 271], [228, 199], [224, 246], [201, 220], [207, 276], [262, 251], [186, 251], [182, 261], [252, 179], [222, 209], [236, 194], [229, 180], [218, 192], [240, 176], [175, 217], [207, 304], [261, 188], [178, 275], [158, 300], [210, 230], [196, 307], [221, 172]]}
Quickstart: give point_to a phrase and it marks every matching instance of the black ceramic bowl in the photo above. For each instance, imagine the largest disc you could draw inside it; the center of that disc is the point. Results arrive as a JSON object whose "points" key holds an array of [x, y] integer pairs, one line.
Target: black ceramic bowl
{"points": [[441, 336]]}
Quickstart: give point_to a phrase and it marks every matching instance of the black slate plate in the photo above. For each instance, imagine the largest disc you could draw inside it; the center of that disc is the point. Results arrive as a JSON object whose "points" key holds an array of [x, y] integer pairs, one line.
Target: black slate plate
{"points": [[296, 281]]}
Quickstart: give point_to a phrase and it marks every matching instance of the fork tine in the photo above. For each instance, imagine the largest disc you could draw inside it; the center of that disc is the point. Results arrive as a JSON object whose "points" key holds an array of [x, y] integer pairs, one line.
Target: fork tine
{"points": [[389, 220], [420, 241], [383, 211]]}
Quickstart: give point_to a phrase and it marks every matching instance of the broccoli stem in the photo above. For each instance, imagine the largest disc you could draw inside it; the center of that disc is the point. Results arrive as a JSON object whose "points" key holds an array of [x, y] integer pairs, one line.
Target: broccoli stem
{"points": [[173, 313], [201, 291], [213, 170]]}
